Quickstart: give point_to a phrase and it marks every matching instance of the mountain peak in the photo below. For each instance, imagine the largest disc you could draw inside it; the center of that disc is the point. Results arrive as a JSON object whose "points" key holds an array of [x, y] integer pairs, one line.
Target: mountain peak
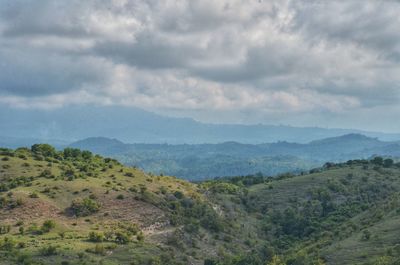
{"points": [[100, 145], [345, 138], [99, 140]]}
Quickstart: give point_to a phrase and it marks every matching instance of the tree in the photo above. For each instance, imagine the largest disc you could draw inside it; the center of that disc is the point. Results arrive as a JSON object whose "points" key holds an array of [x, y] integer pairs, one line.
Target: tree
{"points": [[377, 160], [388, 162], [71, 152], [87, 155], [43, 149]]}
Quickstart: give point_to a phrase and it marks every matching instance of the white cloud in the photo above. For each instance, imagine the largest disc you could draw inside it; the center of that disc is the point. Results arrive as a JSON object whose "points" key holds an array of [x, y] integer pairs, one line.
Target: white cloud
{"points": [[283, 58]]}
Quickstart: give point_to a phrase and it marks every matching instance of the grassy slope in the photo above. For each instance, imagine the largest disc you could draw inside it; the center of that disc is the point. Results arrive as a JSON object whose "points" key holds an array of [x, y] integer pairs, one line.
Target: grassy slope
{"points": [[55, 194], [364, 197]]}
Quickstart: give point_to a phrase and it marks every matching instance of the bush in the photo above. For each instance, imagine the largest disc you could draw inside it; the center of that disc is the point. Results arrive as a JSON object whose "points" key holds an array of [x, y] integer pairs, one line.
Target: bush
{"points": [[366, 235], [7, 244], [34, 195], [178, 194], [99, 249], [48, 225], [122, 238], [48, 250], [96, 237], [140, 237], [24, 258], [4, 229], [46, 174], [84, 207]]}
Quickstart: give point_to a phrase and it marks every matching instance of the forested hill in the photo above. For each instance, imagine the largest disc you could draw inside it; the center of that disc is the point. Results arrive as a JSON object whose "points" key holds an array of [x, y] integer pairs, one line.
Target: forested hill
{"points": [[206, 161], [73, 207]]}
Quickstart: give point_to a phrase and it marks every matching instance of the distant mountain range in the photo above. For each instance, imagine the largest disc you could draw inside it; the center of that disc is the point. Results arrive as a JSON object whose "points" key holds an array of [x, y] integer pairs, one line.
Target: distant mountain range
{"points": [[199, 161], [132, 125]]}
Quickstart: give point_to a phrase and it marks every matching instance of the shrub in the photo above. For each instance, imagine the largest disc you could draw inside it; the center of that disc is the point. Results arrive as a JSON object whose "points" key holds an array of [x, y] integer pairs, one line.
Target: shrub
{"points": [[178, 194], [48, 250], [61, 234], [4, 229], [48, 225], [24, 258], [120, 197], [46, 174], [227, 188], [34, 229], [7, 244], [99, 249], [140, 237], [34, 195], [366, 235], [96, 237], [122, 238], [84, 207]]}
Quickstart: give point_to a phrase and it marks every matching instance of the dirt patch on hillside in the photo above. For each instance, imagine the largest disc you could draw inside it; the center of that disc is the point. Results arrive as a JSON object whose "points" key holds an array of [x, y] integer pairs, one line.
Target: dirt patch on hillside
{"points": [[30, 210], [128, 209]]}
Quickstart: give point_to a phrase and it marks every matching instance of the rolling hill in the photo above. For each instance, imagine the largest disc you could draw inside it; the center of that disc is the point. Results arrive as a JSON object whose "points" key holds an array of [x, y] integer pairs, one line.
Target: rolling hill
{"points": [[73, 207]]}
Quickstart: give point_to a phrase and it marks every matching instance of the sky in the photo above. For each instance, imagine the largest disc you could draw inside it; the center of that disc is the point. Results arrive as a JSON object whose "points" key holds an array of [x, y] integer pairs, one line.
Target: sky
{"points": [[303, 63]]}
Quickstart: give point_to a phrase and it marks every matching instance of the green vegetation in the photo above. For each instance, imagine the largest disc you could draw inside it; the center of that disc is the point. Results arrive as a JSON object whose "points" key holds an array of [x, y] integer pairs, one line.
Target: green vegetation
{"points": [[73, 207], [84, 207]]}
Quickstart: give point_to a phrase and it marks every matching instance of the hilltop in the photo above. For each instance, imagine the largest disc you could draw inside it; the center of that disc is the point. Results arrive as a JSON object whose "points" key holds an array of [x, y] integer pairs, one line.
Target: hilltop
{"points": [[73, 207]]}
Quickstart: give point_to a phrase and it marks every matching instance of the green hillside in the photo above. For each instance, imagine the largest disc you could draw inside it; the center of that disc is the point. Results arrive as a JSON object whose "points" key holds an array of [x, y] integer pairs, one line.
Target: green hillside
{"points": [[73, 207]]}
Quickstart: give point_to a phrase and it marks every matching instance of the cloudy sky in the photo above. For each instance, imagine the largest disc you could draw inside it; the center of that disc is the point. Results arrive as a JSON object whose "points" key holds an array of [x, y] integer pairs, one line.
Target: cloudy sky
{"points": [[324, 63]]}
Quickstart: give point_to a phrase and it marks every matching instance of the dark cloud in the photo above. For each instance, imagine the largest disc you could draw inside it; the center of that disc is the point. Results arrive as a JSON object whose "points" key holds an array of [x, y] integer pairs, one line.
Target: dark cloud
{"points": [[51, 18], [368, 24], [147, 51], [27, 74]]}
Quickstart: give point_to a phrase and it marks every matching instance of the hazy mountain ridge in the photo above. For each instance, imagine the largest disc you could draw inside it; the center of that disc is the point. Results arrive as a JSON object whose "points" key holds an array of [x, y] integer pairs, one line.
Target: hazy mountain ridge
{"points": [[134, 125], [232, 158]]}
